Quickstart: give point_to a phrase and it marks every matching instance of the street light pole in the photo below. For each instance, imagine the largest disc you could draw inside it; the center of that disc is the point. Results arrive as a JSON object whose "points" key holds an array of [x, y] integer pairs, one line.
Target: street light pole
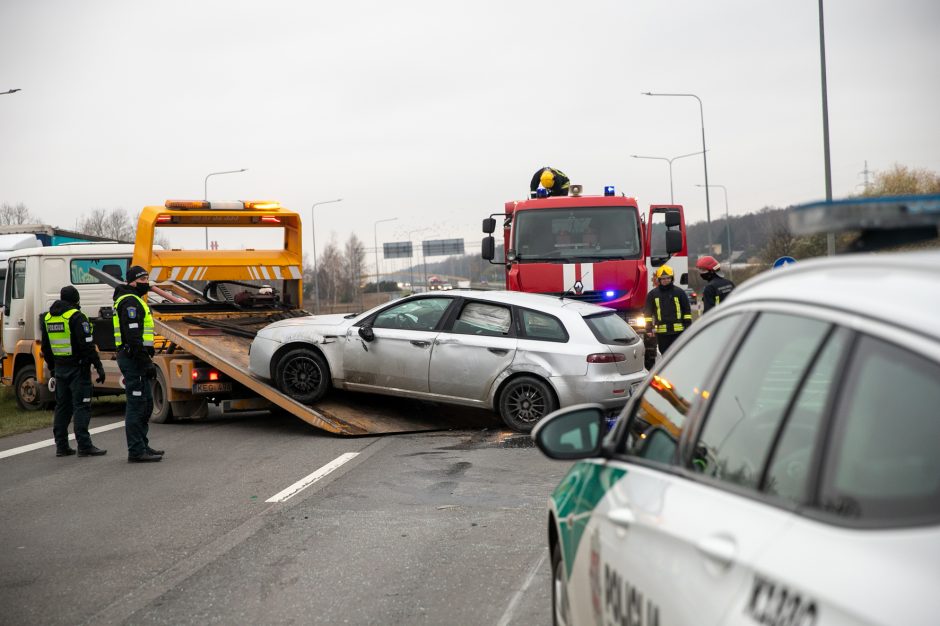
{"points": [[701, 110], [375, 240], [830, 237], [3, 93], [316, 274], [205, 192], [671, 198], [727, 223]]}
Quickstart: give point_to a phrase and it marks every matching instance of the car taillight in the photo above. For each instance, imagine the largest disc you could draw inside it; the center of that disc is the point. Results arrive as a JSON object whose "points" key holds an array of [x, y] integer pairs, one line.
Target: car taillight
{"points": [[606, 357]]}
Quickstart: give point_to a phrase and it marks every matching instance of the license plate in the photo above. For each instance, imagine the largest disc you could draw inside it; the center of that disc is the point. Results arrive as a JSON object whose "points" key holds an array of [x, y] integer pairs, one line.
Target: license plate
{"points": [[211, 387]]}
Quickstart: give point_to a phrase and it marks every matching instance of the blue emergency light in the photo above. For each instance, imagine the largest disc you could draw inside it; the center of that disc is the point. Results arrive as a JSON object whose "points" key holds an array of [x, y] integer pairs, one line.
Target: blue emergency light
{"points": [[541, 192], [609, 190], [610, 293]]}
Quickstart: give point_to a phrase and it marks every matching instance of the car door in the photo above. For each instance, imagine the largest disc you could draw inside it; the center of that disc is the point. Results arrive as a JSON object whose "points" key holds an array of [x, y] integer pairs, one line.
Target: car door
{"points": [[876, 516], [399, 355], [473, 350], [15, 311], [686, 538]]}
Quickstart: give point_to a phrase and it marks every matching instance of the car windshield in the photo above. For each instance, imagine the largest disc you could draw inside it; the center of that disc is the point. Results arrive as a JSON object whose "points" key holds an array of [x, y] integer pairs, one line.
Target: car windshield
{"points": [[610, 328], [584, 233]]}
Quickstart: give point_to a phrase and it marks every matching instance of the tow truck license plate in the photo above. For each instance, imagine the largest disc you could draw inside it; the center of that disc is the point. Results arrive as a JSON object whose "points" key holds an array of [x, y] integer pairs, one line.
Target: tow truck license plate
{"points": [[211, 387]]}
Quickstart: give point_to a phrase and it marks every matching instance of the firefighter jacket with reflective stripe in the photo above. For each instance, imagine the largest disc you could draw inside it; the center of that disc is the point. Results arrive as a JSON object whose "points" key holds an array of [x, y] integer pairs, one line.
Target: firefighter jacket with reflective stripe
{"points": [[133, 323], [67, 336], [670, 309], [715, 291]]}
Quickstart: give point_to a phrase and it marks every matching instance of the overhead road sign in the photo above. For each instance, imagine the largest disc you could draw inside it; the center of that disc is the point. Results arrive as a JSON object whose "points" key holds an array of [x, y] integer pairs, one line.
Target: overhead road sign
{"points": [[442, 247], [397, 250]]}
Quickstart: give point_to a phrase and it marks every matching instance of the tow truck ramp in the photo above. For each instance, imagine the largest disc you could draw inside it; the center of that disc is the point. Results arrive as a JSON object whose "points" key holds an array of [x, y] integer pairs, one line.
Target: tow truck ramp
{"points": [[339, 413]]}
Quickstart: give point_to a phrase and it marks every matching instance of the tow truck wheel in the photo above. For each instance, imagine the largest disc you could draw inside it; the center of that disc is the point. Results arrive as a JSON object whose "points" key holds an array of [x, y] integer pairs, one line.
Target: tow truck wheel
{"points": [[162, 411], [27, 389], [560, 609], [524, 401], [303, 375]]}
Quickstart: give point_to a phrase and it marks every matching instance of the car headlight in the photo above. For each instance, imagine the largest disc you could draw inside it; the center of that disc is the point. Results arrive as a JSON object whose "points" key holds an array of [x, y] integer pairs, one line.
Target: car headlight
{"points": [[637, 322]]}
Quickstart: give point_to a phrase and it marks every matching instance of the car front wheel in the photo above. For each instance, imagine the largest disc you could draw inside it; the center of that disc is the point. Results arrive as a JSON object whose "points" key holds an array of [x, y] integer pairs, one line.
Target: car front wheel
{"points": [[303, 375], [561, 611], [524, 401]]}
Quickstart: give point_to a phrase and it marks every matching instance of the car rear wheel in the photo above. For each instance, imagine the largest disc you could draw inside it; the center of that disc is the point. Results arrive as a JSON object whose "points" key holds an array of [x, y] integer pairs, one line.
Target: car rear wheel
{"points": [[303, 375], [524, 401], [561, 611]]}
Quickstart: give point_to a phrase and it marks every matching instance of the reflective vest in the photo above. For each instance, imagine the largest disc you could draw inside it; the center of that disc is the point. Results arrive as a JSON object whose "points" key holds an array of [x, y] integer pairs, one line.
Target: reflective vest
{"points": [[678, 324], [60, 336], [147, 321]]}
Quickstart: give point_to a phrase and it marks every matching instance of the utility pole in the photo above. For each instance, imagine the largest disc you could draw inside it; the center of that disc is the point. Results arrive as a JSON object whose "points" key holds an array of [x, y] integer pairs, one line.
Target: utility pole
{"points": [[865, 172]]}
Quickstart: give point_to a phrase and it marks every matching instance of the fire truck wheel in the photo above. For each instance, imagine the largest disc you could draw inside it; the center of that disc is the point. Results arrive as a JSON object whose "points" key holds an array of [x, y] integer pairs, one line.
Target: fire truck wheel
{"points": [[162, 411], [27, 389], [303, 375], [524, 401]]}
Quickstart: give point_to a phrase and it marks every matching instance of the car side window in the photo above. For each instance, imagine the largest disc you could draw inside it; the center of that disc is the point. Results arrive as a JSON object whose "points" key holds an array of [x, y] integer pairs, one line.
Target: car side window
{"points": [[750, 402], [659, 416], [787, 475], [882, 466], [421, 314], [19, 279], [542, 326], [484, 318]]}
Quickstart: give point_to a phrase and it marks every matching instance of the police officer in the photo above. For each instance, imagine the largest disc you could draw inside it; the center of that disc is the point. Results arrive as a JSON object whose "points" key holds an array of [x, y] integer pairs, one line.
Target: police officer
{"points": [[669, 307], [718, 286], [133, 338], [69, 352], [547, 181]]}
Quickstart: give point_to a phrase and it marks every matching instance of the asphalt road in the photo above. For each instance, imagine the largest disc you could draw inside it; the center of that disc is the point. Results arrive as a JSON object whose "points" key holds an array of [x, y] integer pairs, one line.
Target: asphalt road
{"points": [[431, 528]]}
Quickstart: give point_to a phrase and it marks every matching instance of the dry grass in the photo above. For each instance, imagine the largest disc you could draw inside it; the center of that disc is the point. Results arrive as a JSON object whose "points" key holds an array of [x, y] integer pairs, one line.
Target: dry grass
{"points": [[14, 420]]}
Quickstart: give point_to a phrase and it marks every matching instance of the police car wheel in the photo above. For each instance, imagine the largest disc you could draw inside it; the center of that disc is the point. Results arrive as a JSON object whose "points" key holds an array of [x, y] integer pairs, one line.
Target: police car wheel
{"points": [[561, 611], [27, 389], [303, 375], [524, 401]]}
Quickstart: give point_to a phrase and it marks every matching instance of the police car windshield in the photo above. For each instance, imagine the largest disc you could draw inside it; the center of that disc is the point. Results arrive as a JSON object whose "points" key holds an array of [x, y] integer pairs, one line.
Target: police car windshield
{"points": [[572, 235]]}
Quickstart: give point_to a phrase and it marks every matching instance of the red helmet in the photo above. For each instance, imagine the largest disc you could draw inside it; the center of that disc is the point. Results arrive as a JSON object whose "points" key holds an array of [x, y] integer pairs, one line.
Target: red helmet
{"points": [[707, 264]]}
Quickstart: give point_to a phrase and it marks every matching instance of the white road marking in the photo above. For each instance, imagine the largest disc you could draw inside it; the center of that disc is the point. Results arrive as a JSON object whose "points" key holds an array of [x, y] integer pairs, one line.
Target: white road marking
{"points": [[506, 619], [305, 482], [51, 442]]}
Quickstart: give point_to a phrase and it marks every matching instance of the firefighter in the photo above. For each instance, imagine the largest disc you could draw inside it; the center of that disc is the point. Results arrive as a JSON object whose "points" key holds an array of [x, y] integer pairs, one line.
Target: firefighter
{"points": [[547, 181], [669, 307], [718, 286], [133, 339], [69, 352]]}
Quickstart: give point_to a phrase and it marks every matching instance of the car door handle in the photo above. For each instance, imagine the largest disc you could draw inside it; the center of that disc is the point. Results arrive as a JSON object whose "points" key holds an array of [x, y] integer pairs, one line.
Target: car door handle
{"points": [[420, 344], [719, 548], [498, 351], [622, 517], [21, 323]]}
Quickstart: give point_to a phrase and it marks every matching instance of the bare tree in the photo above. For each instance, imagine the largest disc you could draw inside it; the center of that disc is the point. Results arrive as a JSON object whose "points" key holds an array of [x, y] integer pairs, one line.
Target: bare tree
{"points": [[780, 239], [900, 180], [354, 259], [11, 215], [114, 224], [330, 272]]}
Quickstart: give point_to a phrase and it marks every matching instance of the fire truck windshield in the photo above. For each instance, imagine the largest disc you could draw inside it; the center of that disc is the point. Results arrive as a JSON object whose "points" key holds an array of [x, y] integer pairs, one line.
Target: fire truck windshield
{"points": [[571, 235]]}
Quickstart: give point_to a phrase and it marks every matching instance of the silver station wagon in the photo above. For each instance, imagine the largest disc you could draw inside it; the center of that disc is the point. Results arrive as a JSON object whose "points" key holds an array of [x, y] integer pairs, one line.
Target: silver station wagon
{"points": [[522, 355]]}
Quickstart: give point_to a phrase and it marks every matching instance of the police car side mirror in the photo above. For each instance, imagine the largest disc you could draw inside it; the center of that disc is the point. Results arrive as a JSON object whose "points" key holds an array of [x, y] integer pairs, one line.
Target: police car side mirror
{"points": [[571, 433]]}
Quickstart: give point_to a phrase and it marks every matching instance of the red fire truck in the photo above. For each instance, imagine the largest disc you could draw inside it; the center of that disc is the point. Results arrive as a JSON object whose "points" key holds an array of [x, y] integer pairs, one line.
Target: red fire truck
{"points": [[597, 249]]}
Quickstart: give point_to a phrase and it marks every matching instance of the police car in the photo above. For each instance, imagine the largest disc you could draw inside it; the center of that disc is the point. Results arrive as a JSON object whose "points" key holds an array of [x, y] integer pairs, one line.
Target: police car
{"points": [[780, 465]]}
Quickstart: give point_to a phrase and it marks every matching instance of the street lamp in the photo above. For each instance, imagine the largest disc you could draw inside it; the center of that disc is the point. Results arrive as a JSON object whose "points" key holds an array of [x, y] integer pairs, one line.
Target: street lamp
{"points": [[205, 192], [682, 156], [3, 93], [727, 223], [830, 237], [410, 232], [375, 240], [701, 110], [316, 275]]}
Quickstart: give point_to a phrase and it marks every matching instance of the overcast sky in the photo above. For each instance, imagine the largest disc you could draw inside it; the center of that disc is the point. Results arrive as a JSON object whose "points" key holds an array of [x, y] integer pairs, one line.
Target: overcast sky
{"points": [[438, 112]]}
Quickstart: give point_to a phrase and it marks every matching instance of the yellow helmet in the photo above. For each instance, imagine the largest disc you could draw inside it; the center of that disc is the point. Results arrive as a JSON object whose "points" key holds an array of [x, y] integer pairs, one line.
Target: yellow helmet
{"points": [[664, 270], [547, 179]]}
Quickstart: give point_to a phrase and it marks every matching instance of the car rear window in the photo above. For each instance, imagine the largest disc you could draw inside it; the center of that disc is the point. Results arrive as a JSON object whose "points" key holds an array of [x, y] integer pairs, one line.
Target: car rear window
{"points": [[611, 329]]}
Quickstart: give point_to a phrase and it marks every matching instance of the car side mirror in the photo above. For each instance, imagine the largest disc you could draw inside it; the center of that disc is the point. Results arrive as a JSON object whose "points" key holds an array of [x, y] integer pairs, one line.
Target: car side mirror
{"points": [[673, 241], [672, 219], [574, 432], [489, 248], [366, 333], [489, 226]]}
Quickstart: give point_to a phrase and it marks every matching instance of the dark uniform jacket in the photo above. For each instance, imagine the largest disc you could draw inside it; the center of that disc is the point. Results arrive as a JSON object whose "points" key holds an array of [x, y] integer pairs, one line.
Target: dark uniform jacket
{"points": [[715, 291], [673, 313], [83, 348], [131, 317], [560, 188]]}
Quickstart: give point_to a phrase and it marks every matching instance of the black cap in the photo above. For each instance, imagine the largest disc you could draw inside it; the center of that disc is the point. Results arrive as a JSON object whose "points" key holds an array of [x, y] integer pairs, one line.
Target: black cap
{"points": [[134, 272], [69, 294]]}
